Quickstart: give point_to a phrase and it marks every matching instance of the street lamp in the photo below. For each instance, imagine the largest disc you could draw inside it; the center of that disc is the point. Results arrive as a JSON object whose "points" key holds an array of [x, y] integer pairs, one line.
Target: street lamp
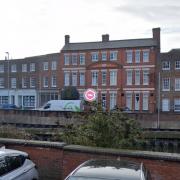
{"points": [[8, 75], [159, 99]]}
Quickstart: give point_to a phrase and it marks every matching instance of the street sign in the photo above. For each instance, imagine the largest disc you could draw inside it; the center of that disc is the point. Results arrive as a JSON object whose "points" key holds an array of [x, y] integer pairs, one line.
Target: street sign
{"points": [[90, 95]]}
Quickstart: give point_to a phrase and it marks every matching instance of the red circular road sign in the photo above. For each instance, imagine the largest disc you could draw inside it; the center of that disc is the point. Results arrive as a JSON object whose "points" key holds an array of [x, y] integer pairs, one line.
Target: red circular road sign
{"points": [[90, 95]]}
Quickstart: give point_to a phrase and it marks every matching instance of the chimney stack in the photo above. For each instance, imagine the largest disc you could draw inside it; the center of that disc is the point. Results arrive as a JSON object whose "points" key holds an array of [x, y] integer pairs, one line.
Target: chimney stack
{"points": [[67, 39], [105, 37], [156, 36]]}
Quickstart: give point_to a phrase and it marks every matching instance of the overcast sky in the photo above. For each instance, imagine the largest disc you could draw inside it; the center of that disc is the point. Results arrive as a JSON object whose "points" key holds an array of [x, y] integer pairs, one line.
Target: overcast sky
{"points": [[37, 27]]}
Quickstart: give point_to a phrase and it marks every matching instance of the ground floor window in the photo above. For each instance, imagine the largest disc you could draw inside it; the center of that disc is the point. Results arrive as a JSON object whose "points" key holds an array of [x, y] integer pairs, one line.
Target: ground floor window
{"points": [[103, 100], [44, 97], [113, 97], [3, 99], [177, 104], [137, 101], [165, 104], [29, 101], [129, 101], [145, 101]]}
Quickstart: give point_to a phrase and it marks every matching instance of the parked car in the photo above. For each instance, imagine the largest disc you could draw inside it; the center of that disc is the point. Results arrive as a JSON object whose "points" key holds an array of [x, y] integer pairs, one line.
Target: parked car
{"points": [[8, 106], [110, 170], [16, 165]]}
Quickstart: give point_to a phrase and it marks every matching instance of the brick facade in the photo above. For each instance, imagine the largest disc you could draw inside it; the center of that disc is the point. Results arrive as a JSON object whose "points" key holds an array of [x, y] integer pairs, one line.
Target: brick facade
{"points": [[169, 73], [109, 59], [23, 82], [123, 72]]}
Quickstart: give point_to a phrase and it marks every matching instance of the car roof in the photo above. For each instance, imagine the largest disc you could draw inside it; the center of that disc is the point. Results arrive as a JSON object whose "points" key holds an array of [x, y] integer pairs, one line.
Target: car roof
{"points": [[4, 151], [109, 169]]}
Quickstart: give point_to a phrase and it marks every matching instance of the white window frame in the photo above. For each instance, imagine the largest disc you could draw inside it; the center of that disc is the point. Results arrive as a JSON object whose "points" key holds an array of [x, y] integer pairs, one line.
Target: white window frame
{"points": [[82, 58], [129, 100], [129, 56], [24, 82], [53, 81], [66, 59], [104, 56], [146, 55], [145, 77], [136, 101], [113, 77], [45, 81], [168, 108], [24, 67], [29, 101], [104, 78], [13, 68], [94, 78], [113, 55], [129, 74], [32, 82], [32, 67], [45, 66], [177, 84], [164, 81], [74, 79], [74, 58], [1, 82], [94, 56], [137, 56], [177, 105], [13, 83], [113, 100], [54, 65], [1, 68], [104, 100], [66, 78], [82, 78], [177, 64], [165, 65], [137, 77], [145, 102]]}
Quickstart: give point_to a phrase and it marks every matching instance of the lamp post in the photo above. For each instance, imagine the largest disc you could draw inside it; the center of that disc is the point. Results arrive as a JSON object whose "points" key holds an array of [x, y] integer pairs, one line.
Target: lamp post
{"points": [[8, 75], [159, 99]]}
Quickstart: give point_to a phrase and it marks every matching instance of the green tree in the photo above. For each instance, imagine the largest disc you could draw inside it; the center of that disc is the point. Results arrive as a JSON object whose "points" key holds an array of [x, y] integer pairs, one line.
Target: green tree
{"points": [[105, 129], [69, 93]]}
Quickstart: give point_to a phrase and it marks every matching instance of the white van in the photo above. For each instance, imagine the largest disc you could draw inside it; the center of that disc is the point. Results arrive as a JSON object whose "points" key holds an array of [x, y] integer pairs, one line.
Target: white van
{"points": [[63, 105]]}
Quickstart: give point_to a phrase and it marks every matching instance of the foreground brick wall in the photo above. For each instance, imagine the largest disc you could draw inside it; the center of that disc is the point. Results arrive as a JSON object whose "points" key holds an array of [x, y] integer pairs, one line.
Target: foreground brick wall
{"points": [[56, 160], [47, 156]]}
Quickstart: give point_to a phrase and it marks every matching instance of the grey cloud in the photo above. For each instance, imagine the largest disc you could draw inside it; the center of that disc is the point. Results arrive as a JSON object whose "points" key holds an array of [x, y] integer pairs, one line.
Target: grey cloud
{"points": [[161, 13]]}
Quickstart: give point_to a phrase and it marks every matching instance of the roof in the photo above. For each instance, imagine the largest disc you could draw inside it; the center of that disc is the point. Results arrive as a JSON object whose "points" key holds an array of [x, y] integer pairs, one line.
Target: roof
{"points": [[109, 169], [38, 57], [110, 44]]}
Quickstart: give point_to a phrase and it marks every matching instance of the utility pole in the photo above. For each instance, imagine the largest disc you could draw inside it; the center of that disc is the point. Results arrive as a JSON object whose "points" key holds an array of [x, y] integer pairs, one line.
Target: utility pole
{"points": [[159, 99], [8, 75]]}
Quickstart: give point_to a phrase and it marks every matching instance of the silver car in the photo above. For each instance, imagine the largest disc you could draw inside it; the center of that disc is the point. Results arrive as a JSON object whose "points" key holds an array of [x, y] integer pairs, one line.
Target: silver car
{"points": [[109, 169], [16, 165]]}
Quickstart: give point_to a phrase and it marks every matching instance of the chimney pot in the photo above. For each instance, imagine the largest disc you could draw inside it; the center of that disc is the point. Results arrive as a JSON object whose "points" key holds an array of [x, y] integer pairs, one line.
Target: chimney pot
{"points": [[156, 36], [67, 39], [105, 37]]}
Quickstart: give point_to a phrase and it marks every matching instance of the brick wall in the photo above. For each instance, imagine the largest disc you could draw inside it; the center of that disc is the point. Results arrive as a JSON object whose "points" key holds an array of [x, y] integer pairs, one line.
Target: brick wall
{"points": [[57, 160]]}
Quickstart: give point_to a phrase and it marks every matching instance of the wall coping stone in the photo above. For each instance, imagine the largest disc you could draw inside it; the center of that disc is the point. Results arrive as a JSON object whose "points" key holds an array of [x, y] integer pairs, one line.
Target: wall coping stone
{"points": [[125, 153], [58, 145], [94, 150]]}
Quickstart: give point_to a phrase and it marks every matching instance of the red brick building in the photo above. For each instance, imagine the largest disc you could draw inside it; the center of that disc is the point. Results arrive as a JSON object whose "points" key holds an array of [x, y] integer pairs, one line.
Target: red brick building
{"points": [[121, 71]]}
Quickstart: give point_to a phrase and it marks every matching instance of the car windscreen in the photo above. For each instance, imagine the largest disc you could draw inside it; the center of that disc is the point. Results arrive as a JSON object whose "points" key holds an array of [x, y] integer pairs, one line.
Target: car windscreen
{"points": [[89, 178]]}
